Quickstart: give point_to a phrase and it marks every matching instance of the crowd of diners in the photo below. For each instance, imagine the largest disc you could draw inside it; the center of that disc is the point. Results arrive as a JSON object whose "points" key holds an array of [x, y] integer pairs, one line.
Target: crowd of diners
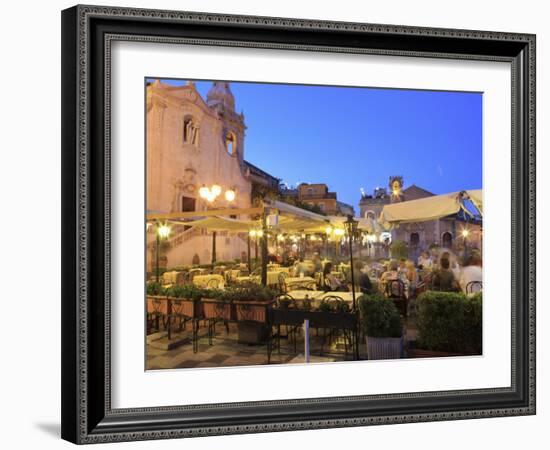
{"points": [[393, 277], [441, 271]]}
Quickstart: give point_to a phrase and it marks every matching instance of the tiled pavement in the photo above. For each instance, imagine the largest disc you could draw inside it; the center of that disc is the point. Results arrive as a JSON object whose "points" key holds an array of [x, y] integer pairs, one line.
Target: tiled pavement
{"points": [[226, 351]]}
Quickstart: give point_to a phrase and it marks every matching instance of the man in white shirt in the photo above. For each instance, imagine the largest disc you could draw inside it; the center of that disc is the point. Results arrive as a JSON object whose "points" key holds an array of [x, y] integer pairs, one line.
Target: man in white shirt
{"points": [[470, 273]]}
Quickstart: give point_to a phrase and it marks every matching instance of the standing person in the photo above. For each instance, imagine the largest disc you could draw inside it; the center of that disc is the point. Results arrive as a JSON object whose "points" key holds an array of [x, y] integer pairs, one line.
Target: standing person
{"points": [[317, 263], [471, 272], [362, 280], [412, 278], [444, 279]]}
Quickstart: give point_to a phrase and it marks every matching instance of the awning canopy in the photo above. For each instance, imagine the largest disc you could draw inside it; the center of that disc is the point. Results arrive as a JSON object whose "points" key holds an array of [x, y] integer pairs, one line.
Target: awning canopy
{"points": [[217, 223], [429, 208], [476, 197], [291, 219]]}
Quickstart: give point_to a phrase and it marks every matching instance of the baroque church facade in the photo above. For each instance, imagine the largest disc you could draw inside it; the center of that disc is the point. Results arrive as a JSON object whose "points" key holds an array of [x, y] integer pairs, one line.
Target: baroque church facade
{"points": [[193, 143]]}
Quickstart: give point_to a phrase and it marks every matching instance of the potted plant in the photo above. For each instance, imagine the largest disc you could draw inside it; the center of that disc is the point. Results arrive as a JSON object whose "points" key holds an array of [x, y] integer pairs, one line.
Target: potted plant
{"points": [[399, 250], [381, 324], [448, 324]]}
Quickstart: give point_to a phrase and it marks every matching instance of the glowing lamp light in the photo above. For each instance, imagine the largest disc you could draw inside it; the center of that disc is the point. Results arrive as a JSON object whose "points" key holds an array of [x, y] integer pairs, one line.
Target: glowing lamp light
{"points": [[280, 237], [216, 189], [465, 233], [148, 226], [328, 230], [163, 231], [339, 232], [252, 233], [259, 233], [204, 191], [230, 195]]}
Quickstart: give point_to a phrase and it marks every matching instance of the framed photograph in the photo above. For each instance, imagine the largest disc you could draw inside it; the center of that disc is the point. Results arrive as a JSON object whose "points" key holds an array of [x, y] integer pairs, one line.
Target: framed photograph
{"points": [[282, 224]]}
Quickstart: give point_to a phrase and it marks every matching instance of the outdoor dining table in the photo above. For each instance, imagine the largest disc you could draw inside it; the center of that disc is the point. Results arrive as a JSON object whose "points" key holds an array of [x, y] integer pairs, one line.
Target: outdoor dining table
{"points": [[204, 280], [272, 278], [297, 282]]}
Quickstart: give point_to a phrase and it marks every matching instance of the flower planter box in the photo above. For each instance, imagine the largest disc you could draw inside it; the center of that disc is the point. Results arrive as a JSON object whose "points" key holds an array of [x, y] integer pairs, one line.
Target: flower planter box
{"points": [[192, 309], [254, 311], [252, 317], [215, 309], [157, 304], [384, 348]]}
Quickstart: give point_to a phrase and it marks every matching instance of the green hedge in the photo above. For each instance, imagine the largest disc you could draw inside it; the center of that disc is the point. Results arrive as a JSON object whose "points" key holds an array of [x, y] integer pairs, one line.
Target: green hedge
{"points": [[379, 316], [449, 322]]}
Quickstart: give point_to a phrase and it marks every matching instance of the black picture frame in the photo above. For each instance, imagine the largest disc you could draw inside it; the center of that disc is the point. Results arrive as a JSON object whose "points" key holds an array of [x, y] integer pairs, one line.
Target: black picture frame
{"points": [[87, 416]]}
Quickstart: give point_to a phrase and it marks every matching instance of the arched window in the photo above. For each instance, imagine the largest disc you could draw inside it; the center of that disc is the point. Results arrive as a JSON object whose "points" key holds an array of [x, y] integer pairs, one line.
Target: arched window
{"points": [[230, 142], [370, 215], [414, 240], [447, 240], [190, 131]]}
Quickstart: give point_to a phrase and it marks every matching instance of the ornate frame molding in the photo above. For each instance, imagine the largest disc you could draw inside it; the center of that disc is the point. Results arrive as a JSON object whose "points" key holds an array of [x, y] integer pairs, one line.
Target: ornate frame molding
{"points": [[86, 324]]}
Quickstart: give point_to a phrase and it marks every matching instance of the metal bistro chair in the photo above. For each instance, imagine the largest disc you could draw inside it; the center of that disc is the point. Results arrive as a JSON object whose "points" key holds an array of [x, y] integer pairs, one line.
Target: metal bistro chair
{"points": [[334, 304], [218, 270], [395, 290], [473, 287], [156, 315], [214, 283], [291, 330], [192, 274], [281, 278]]}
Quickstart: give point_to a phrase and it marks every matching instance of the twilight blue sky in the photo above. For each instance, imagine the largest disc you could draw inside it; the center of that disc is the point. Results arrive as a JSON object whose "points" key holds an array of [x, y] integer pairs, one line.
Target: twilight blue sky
{"points": [[352, 138]]}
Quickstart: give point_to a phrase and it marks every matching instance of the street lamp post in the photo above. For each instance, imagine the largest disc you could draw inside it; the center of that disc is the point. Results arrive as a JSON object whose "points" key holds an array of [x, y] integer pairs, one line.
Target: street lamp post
{"points": [[162, 232], [351, 225], [211, 194]]}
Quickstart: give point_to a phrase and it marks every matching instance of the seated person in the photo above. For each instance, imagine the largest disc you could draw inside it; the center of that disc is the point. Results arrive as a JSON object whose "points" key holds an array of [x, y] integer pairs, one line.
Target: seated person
{"points": [[392, 274], [412, 278], [471, 272], [425, 261], [402, 266], [330, 281], [444, 279]]}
